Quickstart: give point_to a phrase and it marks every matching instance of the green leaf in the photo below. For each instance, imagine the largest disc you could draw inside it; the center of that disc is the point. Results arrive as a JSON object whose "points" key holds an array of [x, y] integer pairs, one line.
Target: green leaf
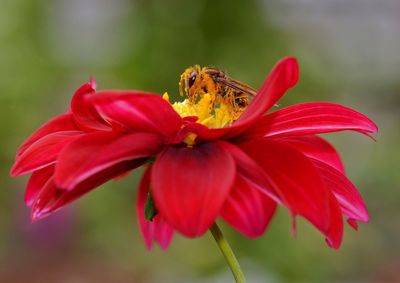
{"points": [[150, 210]]}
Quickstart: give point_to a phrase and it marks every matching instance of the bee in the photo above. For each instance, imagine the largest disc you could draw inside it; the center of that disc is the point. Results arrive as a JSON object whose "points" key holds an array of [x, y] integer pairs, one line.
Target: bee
{"points": [[196, 81]]}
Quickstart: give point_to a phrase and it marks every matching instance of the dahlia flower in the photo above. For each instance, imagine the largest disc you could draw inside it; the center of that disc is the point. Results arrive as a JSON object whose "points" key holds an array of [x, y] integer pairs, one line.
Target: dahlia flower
{"points": [[200, 165]]}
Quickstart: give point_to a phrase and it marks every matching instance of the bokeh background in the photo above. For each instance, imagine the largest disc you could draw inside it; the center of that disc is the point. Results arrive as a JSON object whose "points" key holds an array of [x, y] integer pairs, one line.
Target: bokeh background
{"points": [[349, 54]]}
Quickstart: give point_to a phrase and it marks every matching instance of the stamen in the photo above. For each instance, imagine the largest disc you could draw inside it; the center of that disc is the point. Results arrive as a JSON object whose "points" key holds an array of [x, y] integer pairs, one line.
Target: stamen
{"points": [[190, 139], [211, 110], [166, 96]]}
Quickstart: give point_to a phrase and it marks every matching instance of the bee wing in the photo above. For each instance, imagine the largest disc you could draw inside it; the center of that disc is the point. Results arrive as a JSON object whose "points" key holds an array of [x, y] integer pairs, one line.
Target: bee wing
{"points": [[237, 85]]}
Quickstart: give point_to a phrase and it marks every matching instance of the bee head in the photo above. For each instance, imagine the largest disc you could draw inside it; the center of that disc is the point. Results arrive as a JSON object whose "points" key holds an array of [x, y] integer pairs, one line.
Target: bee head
{"points": [[188, 79]]}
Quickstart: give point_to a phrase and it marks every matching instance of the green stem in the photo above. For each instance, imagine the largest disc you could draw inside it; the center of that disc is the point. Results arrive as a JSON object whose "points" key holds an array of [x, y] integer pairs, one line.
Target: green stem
{"points": [[228, 253]]}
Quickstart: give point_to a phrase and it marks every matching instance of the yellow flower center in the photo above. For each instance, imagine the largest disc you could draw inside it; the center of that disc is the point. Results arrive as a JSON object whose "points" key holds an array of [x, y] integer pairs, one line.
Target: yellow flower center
{"points": [[210, 112]]}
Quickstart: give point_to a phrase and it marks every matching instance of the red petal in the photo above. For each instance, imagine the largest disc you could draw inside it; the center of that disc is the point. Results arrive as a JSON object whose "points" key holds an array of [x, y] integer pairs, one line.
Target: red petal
{"points": [[63, 122], [316, 148], [295, 179], [84, 112], [353, 223], [138, 111], [247, 209], [344, 191], [190, 185], [43, 152], [251, 171], [282, 77], [52, 198], [334, 236], [46, 196], [158, 229], [96, 151], [312, 118], [36, 182]]}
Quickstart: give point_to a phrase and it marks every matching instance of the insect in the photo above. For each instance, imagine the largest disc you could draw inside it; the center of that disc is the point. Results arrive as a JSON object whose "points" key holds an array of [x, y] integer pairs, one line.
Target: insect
{"points": [[196, 81]]}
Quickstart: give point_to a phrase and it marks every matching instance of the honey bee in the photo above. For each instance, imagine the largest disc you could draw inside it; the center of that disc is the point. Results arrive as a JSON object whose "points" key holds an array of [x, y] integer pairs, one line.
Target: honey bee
{"points": [[196, 81]]}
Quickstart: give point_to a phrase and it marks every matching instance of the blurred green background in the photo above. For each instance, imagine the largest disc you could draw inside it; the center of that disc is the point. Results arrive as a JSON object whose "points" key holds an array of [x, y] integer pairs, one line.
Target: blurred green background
{"points": [[349, 54]]}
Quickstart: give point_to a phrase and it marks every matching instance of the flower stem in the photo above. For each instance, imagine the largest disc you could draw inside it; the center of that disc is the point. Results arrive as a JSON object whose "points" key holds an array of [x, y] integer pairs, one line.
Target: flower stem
{"points": [[228, 253]]}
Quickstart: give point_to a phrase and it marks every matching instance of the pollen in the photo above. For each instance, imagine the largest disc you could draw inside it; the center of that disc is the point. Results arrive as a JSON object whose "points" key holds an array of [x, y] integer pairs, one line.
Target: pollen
{"points": [[210, 112]]}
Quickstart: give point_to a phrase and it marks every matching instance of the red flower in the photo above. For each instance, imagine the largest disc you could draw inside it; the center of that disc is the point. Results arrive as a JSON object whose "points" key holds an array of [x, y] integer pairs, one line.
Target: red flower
{"points": [[38, 154], [199, 166]]}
